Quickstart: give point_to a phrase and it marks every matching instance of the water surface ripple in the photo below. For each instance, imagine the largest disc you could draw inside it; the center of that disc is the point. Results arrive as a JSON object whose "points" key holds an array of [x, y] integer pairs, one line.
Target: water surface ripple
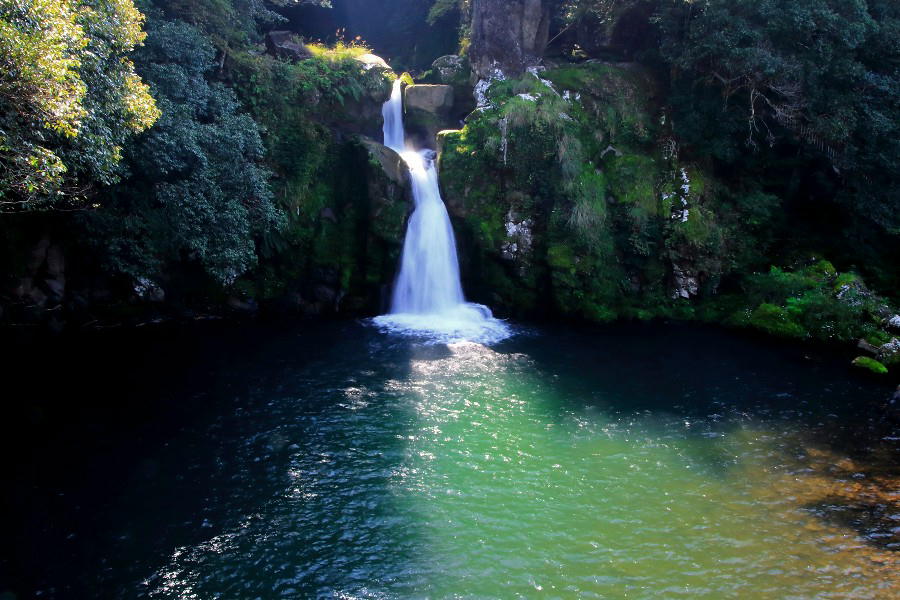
{"points": [[666, 463]]}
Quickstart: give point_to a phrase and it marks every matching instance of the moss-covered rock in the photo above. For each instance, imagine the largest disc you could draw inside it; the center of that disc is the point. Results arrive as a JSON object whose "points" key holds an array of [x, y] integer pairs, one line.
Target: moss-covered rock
{"points": [[619, 226], [889, 352], [777, 321], [870, 364]]}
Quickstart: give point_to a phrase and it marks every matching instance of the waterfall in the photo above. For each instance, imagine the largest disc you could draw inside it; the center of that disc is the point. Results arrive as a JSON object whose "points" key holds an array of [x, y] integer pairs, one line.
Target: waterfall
{"points": [[429, 271], [392, 112], [428, 297]]}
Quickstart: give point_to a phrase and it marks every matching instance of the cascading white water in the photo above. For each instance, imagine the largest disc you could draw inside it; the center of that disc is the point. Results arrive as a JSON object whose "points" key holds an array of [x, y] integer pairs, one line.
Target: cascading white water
{"points": [[428, 296], [429, 272], [392, 112]]}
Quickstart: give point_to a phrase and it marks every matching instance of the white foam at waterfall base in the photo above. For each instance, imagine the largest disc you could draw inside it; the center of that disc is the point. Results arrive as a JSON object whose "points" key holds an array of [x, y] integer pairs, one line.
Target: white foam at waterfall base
{"points": [[467, 322], [428, 299]]}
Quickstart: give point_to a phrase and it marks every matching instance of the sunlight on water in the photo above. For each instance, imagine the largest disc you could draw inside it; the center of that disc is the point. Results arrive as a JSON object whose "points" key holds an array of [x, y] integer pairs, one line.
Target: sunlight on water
{"points": [[592, 505], [463, 322], [545, 466]]}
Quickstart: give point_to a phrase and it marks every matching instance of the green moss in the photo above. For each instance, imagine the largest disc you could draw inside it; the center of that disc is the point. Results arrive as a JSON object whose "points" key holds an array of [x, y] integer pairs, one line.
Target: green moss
{"points": [[632, 180], [700, 230], [424, 121], [699, 183], [561, 257], [878, 338], [776, 321], [614, 101], [846, 280], [338, 52], [599, 313], [891, 359], [822, 269], [870, 364]]}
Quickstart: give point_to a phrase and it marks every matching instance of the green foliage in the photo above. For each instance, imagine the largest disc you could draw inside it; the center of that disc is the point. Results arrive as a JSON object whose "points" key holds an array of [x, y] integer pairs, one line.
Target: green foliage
{"points": [[228, 24], [69, 98], [543, 154], [279, 90], [297, 104], [442, 8], [776, 320], [814, 302], [632, 180], [198, 193], [615, 100], [589, 213], [338, 52], [821, 74]]}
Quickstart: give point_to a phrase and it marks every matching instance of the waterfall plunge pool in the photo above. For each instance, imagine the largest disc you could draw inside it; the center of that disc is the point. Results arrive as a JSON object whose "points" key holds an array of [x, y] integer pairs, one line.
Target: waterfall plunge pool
{"points": [[334, 461]]}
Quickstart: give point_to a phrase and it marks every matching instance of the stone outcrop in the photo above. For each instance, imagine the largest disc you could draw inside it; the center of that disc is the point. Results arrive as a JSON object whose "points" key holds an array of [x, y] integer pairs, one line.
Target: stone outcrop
{"points": [[508, 36], [390, 162], [451, 69], [360, 236], [455, 71], [434, 99], [390, 203], [148, 290], [894, 322], [685, 282], [286, 44], [43, 283], [358, 115], [371, 61], [428, 110]]}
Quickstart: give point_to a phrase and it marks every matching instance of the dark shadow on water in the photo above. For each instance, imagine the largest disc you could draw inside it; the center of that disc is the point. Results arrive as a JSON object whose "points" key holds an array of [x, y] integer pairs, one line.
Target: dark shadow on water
{"points": [[121, 447], [718, 382], [875, 522], [121, 442]]}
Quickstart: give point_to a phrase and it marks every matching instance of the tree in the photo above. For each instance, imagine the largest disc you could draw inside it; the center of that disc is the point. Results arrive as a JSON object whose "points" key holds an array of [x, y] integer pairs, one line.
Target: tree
{"points": [[198, 194], [69, 98], [823, 74]]}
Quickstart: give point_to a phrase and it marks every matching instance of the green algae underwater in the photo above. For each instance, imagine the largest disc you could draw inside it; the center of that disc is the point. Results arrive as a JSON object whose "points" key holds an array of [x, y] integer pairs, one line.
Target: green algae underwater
{"points": [[333, 461]]}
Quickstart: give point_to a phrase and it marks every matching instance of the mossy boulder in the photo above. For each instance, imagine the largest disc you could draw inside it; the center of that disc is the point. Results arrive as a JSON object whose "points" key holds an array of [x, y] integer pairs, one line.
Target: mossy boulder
{"points": [[428, 110], [456, 72], [287, 45], [870, 364], [777, 321], [451, 70], [390, 162], [347, 93], [389, 192]]}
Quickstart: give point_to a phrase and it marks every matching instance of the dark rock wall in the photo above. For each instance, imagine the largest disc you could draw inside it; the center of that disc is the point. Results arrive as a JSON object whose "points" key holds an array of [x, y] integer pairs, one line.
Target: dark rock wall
{"points": [[509, 35]]}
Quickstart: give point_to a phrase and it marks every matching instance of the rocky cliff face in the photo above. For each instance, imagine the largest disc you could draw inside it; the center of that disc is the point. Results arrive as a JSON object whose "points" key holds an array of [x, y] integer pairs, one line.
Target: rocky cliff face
{"points": [[570, 197], [508, 35]]}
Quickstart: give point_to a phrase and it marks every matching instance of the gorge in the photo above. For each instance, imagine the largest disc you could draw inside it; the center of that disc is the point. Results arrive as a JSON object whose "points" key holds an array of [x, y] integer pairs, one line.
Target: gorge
{"points": [[450, 299]]}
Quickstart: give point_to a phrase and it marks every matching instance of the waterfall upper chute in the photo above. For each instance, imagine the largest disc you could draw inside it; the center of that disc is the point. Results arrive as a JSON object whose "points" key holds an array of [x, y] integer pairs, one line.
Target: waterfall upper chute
{"points": [[392, 112], [428, 297]]}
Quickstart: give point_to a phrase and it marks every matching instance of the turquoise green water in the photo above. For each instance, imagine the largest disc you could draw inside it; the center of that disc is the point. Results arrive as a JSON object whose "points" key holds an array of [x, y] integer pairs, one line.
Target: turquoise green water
{"points": [[555, 465], [591, 503]]}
